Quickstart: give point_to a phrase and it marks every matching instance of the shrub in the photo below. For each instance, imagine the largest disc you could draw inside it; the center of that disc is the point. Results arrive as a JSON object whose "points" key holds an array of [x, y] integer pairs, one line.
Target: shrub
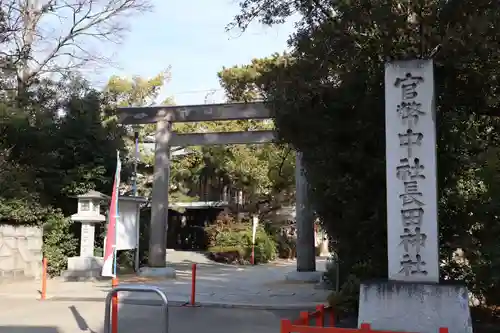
{"points": [[286, 247], [58, 242], [224, 223], [346, 300], [331, 275], [125, 261], [265, 247], [227, 255], [240, 241]]}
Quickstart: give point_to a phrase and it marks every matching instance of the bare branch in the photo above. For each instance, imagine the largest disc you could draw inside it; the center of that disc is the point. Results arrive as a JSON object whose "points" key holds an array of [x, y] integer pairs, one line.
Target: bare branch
{"points": [[57, 36]]}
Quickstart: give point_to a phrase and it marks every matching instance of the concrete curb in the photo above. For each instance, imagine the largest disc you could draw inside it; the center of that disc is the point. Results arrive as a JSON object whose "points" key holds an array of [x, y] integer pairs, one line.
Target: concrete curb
{"points": [[177, 303], [173, 303]]}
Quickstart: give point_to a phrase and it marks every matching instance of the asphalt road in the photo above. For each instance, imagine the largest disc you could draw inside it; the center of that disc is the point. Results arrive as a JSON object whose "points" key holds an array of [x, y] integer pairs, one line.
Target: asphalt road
{"points": [[27, 316]]}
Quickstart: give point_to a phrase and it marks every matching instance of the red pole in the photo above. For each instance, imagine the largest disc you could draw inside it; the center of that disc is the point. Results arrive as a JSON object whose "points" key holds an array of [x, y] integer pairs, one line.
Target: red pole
{"points": [[114, 308], [320, 312], [331, 317], [193, 284], [304, 316], [365, 327], [44, 278], [286, 326]]}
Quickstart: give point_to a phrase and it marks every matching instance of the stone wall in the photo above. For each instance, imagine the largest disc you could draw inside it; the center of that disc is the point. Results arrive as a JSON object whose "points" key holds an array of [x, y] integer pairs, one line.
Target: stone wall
{"points": [[20, 252]]}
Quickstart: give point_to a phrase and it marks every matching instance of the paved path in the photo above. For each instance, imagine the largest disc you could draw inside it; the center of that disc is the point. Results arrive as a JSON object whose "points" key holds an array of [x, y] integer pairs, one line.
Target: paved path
{"points": [[262, 286], [28, 316]]}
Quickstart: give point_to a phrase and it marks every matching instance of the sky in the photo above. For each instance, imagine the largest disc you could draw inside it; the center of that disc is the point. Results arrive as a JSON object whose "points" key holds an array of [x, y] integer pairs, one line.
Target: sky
{"points": [[190, 37]]}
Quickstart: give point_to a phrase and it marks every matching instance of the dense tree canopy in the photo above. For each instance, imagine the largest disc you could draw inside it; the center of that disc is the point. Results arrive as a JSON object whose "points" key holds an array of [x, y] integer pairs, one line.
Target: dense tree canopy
{"points": [[329, 103], [63, 149], [58, 149]]}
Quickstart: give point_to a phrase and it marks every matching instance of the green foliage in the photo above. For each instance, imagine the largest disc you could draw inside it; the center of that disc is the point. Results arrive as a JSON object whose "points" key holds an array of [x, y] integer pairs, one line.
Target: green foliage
{"points": [[137, 91], [241, 241], [333, 87], [227, 236], [286, 247], [223, 223], [265, 170], [46, 158], [58, 242], [61, 157], [265, 247], [261, 171], [240, 83], [345, 301]]}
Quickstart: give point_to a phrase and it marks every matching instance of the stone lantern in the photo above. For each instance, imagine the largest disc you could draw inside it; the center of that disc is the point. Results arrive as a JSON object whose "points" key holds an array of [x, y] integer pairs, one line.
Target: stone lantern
{"points": [[88, 214]]}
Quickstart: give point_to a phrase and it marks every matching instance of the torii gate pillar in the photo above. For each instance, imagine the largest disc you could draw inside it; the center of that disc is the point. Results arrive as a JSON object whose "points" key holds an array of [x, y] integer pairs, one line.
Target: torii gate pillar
{"points": [[304, 218], [159, 205]]}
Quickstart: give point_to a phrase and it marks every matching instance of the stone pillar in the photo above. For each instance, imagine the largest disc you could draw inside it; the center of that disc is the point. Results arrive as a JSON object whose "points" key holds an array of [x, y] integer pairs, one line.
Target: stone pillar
{"points": [[87, 240], [306, 256], [159, 202]]}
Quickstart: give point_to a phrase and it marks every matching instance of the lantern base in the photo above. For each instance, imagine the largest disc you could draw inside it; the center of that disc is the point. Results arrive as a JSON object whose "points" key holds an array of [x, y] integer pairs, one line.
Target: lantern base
{"points": [[83, 268]]}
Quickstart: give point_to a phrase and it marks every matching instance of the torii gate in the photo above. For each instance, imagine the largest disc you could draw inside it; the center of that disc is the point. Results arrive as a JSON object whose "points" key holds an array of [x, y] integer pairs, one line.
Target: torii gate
{"points": [[164, 116]]}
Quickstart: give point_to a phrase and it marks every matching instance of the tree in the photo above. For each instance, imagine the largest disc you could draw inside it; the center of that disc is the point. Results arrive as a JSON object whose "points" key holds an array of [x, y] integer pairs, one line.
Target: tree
{"points": [[333, 87], [66, 155], [59, 149], [274, 163], [241, 82], [54, 37], [245, 167], [137, 91]]}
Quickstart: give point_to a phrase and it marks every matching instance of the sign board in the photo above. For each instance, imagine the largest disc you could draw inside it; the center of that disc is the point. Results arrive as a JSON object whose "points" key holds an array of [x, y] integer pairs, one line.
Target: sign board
{"points": [[126, 225]]}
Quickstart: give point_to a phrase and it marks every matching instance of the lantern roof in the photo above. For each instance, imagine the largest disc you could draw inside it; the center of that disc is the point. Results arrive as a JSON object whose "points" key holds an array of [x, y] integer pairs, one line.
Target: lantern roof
{"points": [[93, 195]]}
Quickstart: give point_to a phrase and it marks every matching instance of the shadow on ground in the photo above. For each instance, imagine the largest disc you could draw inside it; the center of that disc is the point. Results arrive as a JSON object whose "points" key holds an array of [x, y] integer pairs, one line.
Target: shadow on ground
{"points": [[29, 329], [133, 318]]}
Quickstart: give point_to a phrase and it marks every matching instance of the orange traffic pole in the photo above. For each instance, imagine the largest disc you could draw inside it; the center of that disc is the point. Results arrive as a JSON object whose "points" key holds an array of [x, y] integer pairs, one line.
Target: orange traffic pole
{"points": [[114, 308], [44, 278]]}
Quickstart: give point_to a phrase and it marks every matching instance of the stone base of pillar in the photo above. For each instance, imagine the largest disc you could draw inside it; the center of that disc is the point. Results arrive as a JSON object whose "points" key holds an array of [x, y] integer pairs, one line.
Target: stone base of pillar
{"points": [[308, 277], [166, 272], [414, 307]]}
